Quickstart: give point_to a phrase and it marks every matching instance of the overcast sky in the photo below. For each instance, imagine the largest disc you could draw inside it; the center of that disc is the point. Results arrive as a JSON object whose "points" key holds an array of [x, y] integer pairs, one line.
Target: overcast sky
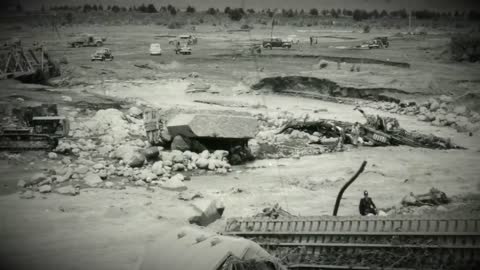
{"points": [[259, 4]]}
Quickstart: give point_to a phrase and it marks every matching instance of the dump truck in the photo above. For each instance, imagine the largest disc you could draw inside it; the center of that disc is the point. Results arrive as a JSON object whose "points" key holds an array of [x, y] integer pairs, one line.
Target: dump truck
{"points": [[87, 40]]}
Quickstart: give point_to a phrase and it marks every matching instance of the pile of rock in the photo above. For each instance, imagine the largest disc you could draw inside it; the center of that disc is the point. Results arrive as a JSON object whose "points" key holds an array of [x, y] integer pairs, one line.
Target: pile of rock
{"points": [[46, 182], [439, 111], [109, 145]]}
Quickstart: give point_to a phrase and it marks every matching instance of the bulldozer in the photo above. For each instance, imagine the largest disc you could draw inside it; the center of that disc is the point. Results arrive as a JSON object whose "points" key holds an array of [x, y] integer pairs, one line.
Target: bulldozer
{"points": [[33, 128]]}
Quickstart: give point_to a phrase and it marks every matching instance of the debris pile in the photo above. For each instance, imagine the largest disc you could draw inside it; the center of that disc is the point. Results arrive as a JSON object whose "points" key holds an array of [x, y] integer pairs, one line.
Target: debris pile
{"points": [[110, 145], [274, 212], [440, 111]]}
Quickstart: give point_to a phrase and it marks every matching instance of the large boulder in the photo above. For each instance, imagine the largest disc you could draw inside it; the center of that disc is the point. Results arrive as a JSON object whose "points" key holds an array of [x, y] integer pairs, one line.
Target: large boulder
{"points": [[135, 112], [67, 190], [157, 168], [152, 153], [202, 163], [175, 183], [131, 155], [92, 180], [206, 212], [181, 143]]}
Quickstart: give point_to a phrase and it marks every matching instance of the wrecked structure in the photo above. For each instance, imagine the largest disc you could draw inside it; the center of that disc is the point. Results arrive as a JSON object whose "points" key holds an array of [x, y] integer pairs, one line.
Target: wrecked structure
{"points": [[26, 64]]}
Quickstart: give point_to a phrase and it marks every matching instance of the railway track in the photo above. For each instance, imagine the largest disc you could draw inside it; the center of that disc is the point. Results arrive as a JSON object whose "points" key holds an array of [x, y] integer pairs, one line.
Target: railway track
{"points": [[366, 242]]}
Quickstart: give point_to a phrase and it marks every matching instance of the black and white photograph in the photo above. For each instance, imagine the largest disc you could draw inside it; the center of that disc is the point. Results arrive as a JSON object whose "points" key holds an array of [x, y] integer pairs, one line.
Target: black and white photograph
{"points": [[240, 134]]}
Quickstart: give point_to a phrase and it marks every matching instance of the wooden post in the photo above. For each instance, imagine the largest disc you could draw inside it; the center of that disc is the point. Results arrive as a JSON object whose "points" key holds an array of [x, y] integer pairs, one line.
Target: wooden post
{"points": [[340, 194]]}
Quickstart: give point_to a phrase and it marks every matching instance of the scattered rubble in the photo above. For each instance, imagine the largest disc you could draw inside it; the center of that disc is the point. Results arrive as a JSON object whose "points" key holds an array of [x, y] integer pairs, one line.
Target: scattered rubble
{"points": [[439, 111], [274, 212], [433, 197]]}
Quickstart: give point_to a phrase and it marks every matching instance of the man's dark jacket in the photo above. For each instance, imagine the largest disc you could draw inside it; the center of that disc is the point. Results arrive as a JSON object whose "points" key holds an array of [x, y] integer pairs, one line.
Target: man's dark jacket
{"points": [[366, 206]]}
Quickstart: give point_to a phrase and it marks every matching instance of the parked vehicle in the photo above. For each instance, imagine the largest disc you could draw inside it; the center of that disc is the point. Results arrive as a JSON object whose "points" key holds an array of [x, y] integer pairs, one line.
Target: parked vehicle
{"points": [[276, 42], [155, 49], [185, 50], [102, 55], [87, 41], [376, 43], [187, 39]]}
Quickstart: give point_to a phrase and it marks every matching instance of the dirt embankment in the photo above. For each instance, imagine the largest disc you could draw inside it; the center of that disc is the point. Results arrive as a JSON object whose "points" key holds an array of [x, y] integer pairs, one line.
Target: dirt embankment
{"points": [[312, 87], [346, 59]]}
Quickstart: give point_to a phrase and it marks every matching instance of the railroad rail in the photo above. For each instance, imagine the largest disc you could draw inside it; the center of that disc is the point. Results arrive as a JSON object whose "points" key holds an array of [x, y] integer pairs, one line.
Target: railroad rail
{"points": [[366, 242]]}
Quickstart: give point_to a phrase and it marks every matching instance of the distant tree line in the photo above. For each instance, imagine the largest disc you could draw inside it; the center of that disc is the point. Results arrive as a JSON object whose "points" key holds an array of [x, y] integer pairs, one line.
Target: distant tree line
{"points": [[237, 14]]}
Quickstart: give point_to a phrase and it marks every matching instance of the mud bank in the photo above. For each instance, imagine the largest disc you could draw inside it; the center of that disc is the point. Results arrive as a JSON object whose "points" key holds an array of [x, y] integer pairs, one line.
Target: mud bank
{"points": [[312, 87]]}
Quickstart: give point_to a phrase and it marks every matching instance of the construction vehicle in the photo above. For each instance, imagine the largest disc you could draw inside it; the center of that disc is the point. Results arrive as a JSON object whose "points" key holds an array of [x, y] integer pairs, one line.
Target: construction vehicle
{"points": [[87, 40], [376, 43], [102, 54], [26, 64], [33, 128]]}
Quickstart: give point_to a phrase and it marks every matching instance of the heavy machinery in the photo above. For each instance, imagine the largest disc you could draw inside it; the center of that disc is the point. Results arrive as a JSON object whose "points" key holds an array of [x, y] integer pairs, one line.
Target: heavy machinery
{"points": [[33, 128], [87, 40], [375, 43]]}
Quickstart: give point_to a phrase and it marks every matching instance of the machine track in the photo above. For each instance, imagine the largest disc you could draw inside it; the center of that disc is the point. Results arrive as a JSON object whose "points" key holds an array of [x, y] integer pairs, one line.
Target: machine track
{"points": [[27, 142], [366, 242]]}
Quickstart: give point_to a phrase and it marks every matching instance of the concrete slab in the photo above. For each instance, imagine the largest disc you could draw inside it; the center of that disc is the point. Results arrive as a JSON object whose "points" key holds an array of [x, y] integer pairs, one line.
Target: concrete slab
{"points": [[213, 126]]}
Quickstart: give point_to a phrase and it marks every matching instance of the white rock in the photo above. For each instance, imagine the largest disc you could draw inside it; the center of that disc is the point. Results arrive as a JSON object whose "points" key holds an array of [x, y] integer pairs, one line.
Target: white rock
{"points": [[205, 154], [82, 169], [202, 163], [67, 190], [175, 183], [36, 178], [446, 99], [109, 184], [135, 112], [21, 184], [157, 168], [178, 167], [206, 211], [461, 110], [45, 189], [52, 155], [98, 166], [220, 154], [92, 180], [211, 165], [434, 104], [67, 98]]}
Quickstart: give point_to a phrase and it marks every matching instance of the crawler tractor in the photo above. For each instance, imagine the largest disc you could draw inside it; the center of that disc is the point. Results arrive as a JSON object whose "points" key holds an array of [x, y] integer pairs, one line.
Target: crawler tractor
{"points": [[33, 128]]}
